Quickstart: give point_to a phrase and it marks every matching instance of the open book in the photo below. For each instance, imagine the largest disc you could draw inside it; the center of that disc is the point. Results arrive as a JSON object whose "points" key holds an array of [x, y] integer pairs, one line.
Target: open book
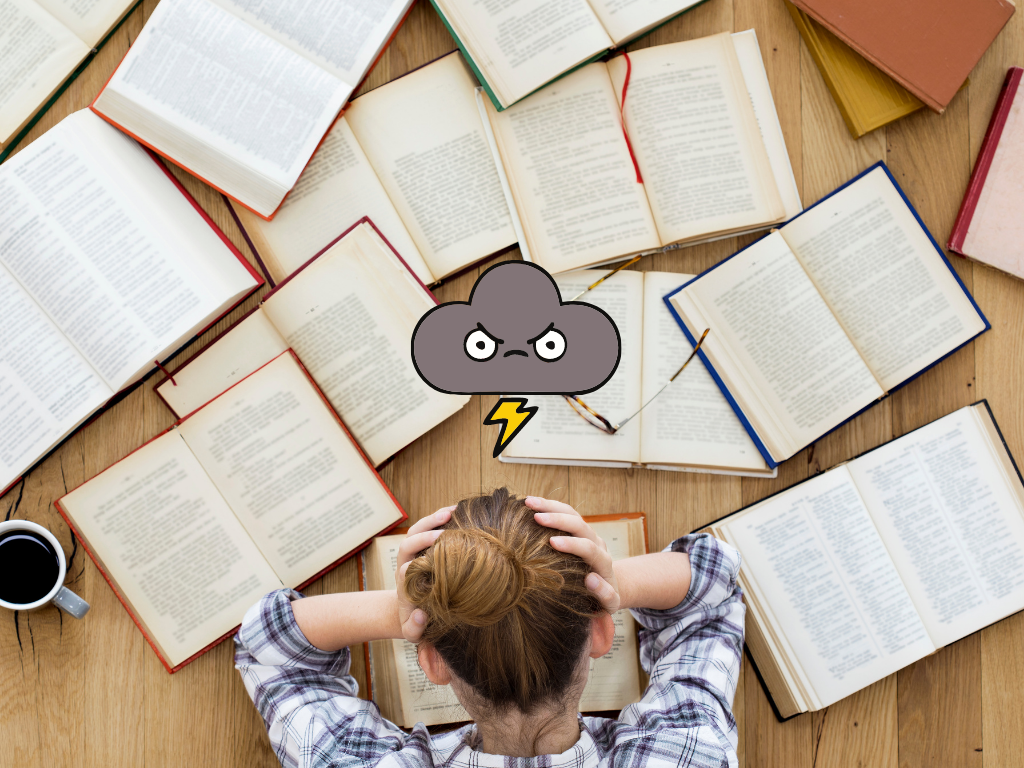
{"points": [[348, 315], [239, 93], [516, 48], [816, 321], [106, 265], [260, 488], [853, 574], [705, 138], [405, 695], [689, 427], [42, 42], [429, 184]]}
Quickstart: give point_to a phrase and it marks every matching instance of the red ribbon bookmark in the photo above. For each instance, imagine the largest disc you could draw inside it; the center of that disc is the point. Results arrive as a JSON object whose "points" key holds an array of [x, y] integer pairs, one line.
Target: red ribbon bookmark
{"points": [[622, 114], [166, 372]]}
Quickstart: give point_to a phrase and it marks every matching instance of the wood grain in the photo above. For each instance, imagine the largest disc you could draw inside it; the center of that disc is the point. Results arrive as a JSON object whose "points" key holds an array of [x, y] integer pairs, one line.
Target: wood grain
{"points": [[92, 693]]}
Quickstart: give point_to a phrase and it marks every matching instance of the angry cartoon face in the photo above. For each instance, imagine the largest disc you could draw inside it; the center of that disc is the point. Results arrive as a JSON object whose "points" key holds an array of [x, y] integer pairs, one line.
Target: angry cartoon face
{"points": [[515, 335]]}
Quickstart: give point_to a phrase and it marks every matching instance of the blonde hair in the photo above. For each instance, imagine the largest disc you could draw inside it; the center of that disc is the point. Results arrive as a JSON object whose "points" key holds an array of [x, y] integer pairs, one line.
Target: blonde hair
{"points": [[508, 613]]}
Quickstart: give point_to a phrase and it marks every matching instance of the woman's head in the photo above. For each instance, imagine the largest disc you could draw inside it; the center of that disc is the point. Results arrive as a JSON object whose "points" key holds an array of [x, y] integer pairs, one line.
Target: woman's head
{"points": [[508, 614]]}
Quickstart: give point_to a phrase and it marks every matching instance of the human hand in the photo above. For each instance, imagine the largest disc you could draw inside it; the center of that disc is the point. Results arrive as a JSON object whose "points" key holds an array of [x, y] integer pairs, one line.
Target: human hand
{"points": [[584, 543], [420, 536]]}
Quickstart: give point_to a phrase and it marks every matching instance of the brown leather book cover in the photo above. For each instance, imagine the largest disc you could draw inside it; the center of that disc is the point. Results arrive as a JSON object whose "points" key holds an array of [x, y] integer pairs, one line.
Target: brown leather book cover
{"points": [[928, 46]]}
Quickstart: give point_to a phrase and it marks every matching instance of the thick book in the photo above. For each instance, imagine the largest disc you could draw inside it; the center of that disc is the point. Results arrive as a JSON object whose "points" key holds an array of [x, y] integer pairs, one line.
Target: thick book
{"points": [[867, 97], [348, 315], [988, 228], [688, 427], [705, 156], [259, 489], [405, 696], [429, 184], [927, 46], [823, 317], [517, 48], [44, 45], [853, 574], [241, 94], [107, 265]]}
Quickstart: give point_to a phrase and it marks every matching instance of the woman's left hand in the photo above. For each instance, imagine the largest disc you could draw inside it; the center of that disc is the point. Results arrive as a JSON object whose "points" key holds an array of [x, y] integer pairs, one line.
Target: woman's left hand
{"points": [[421, 536]]}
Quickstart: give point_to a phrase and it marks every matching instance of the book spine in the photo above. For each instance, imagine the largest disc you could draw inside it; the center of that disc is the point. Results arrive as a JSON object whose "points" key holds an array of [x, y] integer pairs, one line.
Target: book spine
{"points": [[984, 162], [252, 246]]}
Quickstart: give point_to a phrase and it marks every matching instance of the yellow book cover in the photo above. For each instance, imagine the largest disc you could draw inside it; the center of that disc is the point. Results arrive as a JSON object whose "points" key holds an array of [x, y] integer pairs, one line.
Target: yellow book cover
{"points": [[867, 97]]}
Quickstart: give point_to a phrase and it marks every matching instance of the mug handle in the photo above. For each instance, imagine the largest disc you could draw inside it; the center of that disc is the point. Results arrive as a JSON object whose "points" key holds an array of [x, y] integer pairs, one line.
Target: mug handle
{"points": [[71, 603]]}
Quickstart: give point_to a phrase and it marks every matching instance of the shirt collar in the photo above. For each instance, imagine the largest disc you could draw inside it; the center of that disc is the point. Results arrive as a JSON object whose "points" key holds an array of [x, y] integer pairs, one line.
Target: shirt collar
{"points": [[582, 754]]}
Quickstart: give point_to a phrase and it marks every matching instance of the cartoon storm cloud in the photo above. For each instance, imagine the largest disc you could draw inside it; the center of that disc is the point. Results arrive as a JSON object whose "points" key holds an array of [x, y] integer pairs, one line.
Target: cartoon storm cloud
{"points": [[515, 335]]}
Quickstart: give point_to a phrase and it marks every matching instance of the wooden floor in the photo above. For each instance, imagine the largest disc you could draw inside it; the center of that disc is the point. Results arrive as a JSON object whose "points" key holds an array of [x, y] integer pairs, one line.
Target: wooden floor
{"points": [[92, 692]]}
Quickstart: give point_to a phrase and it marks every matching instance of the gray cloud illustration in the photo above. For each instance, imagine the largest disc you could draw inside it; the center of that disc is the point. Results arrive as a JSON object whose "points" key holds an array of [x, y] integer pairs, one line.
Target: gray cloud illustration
{"points": [[515, 335]]}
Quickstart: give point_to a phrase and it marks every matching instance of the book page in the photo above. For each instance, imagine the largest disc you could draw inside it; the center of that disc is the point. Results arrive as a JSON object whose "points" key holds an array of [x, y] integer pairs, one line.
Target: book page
{"points": [[337, 189], [423, 136], [343, 37], [781, 352], [883, 279], [292, 476], [186, 90], [696, 139], [690, 422], [170, 543], [37, 53], [46, 387], [814, 558], [246, 346], [89, 20], [520, 45], [571, 174], [953, 527], [626, 19], [349, 317], [94, 259], [557, 431]]}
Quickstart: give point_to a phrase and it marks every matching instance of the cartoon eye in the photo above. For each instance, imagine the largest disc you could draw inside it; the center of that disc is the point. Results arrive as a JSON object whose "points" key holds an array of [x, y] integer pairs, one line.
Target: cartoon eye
{"points": [[550, 345], [480, 345]]}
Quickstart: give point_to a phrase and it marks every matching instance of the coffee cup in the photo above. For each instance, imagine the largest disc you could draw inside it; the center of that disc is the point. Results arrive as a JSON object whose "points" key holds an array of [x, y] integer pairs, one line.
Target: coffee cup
{"points": [[32, 570]]}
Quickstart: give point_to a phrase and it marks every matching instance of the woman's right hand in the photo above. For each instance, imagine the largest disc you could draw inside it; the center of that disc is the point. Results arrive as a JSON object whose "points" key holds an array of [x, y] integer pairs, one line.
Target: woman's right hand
{"points": [[584, 542]]}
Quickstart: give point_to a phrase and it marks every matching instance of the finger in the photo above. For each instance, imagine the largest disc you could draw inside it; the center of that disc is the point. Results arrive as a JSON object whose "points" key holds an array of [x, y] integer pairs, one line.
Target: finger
{"points": [[592, 554], [412, 629], [571, 524], [537, 504], [414, 544], [604, 592], [440, 517]]}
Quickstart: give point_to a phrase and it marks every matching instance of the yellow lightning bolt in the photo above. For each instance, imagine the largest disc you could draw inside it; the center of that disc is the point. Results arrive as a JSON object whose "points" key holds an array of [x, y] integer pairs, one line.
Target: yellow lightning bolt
{"points": [[512, 414]]}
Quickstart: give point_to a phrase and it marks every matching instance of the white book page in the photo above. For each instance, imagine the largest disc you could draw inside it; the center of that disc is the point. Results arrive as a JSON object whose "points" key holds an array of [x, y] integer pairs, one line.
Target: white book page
{"points": [[626, 19], [343, 37], [520, 45], [690, 422], [90, 20], [556, 431], [696, 139], [953, 527], [91, 257], [233, 91], [571, 174], [423, 135], [37, 53], [833, 595], [781, 352], [293, 477], [337, 189], [46, 387], [349, 317], [881, 275], [221, 364], [171, 544]]}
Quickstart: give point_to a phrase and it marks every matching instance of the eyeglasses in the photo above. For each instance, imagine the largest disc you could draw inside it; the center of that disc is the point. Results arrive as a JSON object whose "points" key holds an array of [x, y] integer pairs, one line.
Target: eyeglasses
{"points": [[595, 419], [619, 268]]}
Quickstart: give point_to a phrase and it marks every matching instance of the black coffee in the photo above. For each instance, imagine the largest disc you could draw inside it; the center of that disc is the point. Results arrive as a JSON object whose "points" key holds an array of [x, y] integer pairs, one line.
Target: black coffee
{"points": [[28, 567]]}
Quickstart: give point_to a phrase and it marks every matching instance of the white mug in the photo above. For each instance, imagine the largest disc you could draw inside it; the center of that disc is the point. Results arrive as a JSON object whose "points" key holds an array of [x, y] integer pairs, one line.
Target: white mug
{"points": [[59, 595]]}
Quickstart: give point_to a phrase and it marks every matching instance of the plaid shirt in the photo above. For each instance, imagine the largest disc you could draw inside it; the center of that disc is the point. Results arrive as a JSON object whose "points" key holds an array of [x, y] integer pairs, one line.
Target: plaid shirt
{"points": [[691, 652]]}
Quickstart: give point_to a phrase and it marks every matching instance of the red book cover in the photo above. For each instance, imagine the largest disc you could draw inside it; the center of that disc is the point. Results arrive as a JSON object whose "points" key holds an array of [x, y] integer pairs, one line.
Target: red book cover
{"points": [[121, 598], [984, 161]]}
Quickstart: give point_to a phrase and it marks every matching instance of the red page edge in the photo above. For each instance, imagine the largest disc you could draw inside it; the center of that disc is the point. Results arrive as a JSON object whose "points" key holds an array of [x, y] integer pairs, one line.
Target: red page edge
{"points": [[982, 165]]}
